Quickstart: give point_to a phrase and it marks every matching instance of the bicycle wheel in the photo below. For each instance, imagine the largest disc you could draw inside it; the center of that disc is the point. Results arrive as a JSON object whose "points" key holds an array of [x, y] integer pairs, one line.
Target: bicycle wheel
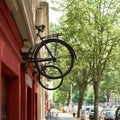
{"points": [[51, 84], [54, 52]]}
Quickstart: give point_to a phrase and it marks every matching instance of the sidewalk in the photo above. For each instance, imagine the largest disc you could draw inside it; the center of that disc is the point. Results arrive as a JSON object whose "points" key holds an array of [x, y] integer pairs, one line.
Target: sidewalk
{"points": [[66, 116]]}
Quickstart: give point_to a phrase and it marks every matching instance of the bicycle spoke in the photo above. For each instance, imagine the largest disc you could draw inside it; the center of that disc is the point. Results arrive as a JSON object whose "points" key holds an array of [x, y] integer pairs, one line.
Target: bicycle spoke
{"points": [[51, 84], [51, 70], [58, 53]]}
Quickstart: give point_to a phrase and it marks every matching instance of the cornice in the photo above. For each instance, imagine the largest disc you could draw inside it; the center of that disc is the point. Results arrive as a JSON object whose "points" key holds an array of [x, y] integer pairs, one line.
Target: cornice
{"points": [[22, 13]]}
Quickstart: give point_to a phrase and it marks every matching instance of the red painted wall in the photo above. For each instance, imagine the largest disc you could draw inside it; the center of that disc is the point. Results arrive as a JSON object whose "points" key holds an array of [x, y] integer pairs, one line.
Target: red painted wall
{"points": [[21, 99], [0, 82], [10, 61]]}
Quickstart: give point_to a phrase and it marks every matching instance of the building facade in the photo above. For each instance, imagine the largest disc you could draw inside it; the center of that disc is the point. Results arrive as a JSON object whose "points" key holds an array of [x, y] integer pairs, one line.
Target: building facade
{"points": [[21, 97]]}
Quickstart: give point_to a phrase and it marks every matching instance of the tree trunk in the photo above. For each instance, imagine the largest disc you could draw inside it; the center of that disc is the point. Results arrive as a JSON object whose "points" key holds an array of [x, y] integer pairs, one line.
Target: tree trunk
{"points": [[108, 97], [81, 95], [69, 97], [96, 98]]}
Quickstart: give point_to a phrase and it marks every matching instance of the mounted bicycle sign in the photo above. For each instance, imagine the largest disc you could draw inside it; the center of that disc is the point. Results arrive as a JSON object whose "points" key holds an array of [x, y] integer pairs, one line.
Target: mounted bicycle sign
{"points": [[57, 59]]}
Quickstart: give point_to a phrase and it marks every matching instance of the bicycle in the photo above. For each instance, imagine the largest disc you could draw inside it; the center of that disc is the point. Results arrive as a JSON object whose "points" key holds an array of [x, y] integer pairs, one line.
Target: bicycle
{"points": [[52, 57], [55, 116]]}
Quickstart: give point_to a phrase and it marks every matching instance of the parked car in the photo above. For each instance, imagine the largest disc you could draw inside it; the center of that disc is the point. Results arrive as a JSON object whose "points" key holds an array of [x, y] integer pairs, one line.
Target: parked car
{"points": [[85, 112], [100, 114], [88, 108], [91, 114], [109, 114], [117, 114]]}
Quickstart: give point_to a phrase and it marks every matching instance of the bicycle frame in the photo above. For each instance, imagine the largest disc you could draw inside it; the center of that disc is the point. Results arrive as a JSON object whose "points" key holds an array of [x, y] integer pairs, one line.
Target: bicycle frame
{"points": [[30, 59], [53, 55]]}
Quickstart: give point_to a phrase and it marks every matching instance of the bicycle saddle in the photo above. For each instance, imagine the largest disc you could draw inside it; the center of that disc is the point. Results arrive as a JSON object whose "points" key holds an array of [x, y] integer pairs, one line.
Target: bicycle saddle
{"points": [[40, 28]]}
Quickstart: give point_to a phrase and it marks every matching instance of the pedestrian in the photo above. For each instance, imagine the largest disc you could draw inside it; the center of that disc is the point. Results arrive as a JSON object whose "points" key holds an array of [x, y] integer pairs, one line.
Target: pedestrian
{"points": [[74, 112], [62, 108], [49, 116]]}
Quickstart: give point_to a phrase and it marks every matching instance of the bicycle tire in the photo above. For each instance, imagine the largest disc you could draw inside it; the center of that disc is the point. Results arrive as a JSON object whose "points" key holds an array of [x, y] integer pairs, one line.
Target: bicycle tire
{"points": [[65, 64], [43, 84]]}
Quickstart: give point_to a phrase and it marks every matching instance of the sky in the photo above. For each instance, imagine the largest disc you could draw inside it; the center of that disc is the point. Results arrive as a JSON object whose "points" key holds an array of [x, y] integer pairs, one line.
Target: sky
{"points": [[53, 15]]}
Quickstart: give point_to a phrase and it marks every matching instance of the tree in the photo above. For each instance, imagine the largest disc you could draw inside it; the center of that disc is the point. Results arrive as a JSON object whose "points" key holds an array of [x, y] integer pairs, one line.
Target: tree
{"points": [[111, 76], [80, 77], [92, 28]]}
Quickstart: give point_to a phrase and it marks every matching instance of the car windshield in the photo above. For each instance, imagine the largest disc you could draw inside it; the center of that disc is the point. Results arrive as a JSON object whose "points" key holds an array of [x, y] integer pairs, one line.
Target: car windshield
{"points": [[92, 110], [110, 112], [87, 109]]}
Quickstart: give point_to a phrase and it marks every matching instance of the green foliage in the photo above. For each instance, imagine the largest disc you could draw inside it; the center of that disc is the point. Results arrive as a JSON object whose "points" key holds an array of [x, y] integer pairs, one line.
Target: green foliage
{"points": [[92, 28], [75, 97], [102, 99], [90, 100], [59, 96], [54, 28]]}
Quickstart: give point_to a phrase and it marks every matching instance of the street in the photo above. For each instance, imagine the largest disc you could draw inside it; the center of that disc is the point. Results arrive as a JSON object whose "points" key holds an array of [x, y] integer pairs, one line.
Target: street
{"points": [[66, 116]]}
